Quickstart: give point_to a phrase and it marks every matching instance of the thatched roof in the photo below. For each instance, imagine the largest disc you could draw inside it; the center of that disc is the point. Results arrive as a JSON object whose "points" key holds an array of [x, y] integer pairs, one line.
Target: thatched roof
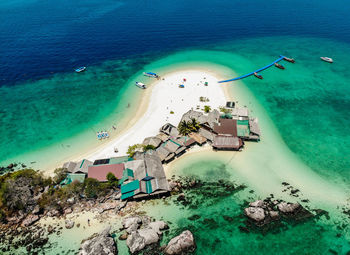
{"points": [[180, 150], [163, 137], [171, 146], [78, 167], [210, 120], [185, 141], [227, 142], [198, 138], [70, 166], [153, 140], [162, 153], [207, 134], [191, 114]]}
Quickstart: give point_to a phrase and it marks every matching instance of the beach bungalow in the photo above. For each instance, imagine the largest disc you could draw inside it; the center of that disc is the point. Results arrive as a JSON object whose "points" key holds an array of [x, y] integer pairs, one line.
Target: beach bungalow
{"points": [[208, 121], [185, 141], [100, 172], [169, 130], [79, 177], [78, 167], [222, 142], [191, 114], [144, 177]]}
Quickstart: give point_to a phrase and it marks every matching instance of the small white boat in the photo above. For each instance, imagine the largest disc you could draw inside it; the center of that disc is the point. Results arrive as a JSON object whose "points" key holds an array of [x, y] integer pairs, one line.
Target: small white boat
{"points": [[327, 59], [140, 85], [80, 69]]}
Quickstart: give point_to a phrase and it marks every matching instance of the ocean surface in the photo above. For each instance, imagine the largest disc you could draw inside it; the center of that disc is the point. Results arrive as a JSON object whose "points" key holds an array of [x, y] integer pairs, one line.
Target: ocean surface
{"points": [[47, 111]]}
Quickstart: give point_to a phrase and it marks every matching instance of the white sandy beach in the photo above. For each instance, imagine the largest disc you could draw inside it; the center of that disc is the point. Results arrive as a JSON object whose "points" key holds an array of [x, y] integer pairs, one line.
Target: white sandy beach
{"points": [[165, 103]]}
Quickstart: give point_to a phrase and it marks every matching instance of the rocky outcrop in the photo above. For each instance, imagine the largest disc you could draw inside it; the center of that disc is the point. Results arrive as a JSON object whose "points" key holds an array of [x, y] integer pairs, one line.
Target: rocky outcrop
{"points": [[181, 244], [257, 214], [111, 205], [102, 244], [263, 212], [288, 207], [131, 223], [29, 220], [141, 232]]}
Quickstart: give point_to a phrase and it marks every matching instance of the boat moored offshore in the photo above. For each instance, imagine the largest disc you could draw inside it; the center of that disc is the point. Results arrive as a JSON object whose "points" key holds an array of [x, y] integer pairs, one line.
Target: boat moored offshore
{"points": [[80, 69], [279, 66], [259, 76], [140, 85], [327, 59], [291, 60]]}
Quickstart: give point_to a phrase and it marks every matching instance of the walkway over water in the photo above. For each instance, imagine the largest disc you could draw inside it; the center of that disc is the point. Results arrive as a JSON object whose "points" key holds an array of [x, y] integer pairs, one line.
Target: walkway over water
{"points": [[256, 71]]}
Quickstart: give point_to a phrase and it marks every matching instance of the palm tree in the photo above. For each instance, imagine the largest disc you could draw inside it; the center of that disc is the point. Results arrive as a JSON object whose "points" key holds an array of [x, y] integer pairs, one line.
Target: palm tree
{"points": [[184, 128], [194, 124]]}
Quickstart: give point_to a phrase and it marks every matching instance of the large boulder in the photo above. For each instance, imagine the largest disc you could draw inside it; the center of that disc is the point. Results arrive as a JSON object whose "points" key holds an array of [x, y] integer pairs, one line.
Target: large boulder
{"points": [[255, 213], [181, 244], [157, 226], [288, 207], [131, 223], [69, 224], [135, 242], [149, 235], [102, 244]]}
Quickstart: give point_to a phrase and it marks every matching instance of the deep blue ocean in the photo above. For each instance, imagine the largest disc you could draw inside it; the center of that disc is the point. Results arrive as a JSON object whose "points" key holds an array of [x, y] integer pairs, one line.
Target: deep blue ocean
{"points": [[40, 38]]}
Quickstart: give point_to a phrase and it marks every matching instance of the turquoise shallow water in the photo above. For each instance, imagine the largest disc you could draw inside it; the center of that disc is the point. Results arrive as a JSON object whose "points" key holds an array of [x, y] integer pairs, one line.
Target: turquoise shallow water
{"points": [[308, 101]]}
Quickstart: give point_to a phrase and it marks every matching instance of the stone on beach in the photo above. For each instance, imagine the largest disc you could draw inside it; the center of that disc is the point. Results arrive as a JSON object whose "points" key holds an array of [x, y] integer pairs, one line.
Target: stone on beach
{"points": [[102, 244], [69, 224], [181, 244]]}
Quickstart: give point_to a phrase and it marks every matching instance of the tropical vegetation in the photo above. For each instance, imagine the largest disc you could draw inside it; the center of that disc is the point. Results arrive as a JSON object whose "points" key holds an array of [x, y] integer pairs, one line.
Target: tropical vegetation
{"points": [[187, 127]]}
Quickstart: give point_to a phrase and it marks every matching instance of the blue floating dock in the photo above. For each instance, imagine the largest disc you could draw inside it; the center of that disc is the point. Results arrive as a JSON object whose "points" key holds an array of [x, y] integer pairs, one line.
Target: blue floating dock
{"points": [[256, 71]]}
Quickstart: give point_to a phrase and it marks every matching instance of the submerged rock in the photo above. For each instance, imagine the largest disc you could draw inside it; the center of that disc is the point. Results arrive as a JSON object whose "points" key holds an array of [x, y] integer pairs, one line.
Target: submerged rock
{"points": [[102, 244], [181, 244]]}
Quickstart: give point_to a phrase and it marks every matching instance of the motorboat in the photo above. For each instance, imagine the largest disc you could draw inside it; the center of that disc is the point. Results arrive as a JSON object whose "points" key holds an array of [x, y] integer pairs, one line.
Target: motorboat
{"points": [[279, 66], [150, 74], [259, 76], [140, 85], [80, 69], [327, 59]]}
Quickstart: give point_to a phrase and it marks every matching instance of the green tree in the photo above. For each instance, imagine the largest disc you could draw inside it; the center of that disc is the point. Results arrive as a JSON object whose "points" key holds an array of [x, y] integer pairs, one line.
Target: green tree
{"points": [[194, 125], [184, 128], [60, 175], [148, 147], [133, 148], [207, 108], [112, 180], [92, 187]]}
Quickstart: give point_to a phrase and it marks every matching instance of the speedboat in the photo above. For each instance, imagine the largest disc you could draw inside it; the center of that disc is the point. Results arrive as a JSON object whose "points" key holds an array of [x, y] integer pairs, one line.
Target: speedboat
{"points": [[150, 74], [327, 59], [140, 85], [80, 69], [291, 60], [99, 136], [279, 66], [259, 76]]}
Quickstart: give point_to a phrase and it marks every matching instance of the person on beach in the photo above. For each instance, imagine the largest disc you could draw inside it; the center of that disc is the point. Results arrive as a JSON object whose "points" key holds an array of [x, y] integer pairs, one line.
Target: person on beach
{"points": [[89, 222]]}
